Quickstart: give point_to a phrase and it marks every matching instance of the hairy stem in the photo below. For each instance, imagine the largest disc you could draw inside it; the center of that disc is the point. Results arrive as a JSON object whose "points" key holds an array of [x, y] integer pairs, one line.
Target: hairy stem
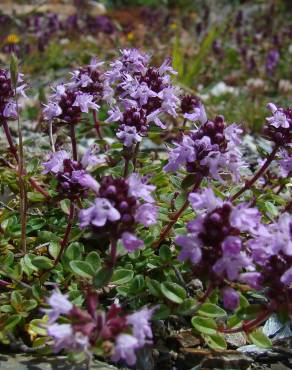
{"points": [[22, 185], [166, 230], [13, 150], [258, 174], [96, 125], [73, 141], [67, 232], [113, 253], [135, 155], [51, 137]]}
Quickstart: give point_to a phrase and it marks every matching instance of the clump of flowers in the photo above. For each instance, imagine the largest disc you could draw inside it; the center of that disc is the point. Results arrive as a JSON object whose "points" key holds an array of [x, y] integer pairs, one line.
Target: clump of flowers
{"points": [[272, 251], [120, 205], [8, 109], [112, 332], [145, 94], [279, 126], [73, 179], [213, 242], [208, 150], [87, 88]]}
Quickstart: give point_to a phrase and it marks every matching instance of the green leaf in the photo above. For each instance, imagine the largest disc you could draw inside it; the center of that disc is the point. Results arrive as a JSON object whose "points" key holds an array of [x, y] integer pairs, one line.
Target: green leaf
{"points": [[82, 268], [38, 326], [161, 313], [165, 253], [12, 321], [122, 276], [211, 310], [173, 292], [54, 249], [94, 259], [137, 284], [42, 262], [204, 325], [215, 341], [153, 286], [250, 312], [16, 300], [260, 339], [187, 306], [188, 181], [74, 251], [102, 277]]}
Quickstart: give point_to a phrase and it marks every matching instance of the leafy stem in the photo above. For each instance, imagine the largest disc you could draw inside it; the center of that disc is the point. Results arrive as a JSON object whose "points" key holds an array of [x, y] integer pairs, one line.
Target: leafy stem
{"points": [[97, 125], [174, 218], [258, 174], [67, 232]]}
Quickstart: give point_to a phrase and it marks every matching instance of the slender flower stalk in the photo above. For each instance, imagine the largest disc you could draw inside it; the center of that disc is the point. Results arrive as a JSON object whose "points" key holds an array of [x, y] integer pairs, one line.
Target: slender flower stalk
{"points": [[13, 150], [113, 253], [258, 174], [67, 232], [73, 142], [174, 218], [22, 185], [96, 125]]}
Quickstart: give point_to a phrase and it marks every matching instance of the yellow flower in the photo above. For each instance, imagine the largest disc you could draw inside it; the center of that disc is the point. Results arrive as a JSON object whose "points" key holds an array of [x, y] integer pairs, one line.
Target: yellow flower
{"points": [[173, 26], [130, 36], [12, 39]]}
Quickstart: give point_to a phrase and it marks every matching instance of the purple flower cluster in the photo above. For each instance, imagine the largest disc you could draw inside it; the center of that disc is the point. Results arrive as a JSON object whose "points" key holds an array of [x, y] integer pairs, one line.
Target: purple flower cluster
{"points": [[145, 93], [272, 251], [118, 208], [209, 150], [7, 95], [73, 179], [279, 126], [90, 328], [88, 87], [213, 242]]}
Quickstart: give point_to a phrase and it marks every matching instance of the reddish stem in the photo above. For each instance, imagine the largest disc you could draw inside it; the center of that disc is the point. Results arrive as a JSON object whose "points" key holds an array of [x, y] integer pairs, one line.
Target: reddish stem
{"points": [[258, 174], [113, 254], [67, 233], [12, 147], [13, 150], [248, 325], [164, 233], [73, 141], [96, 125]]}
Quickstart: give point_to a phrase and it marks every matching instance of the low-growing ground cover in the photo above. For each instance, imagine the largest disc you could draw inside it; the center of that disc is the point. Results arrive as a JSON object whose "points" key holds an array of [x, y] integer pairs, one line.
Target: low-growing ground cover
{"points": [[139, 225]]}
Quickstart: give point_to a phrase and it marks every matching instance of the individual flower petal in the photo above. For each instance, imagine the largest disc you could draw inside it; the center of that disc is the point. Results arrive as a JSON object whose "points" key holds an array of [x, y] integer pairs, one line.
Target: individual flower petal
{"points": [[141, 325], [139, 189], [191, 248], [147, 214], [230, 298], [125, 346], [56, 162], [131, 242], [98, 214]]}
